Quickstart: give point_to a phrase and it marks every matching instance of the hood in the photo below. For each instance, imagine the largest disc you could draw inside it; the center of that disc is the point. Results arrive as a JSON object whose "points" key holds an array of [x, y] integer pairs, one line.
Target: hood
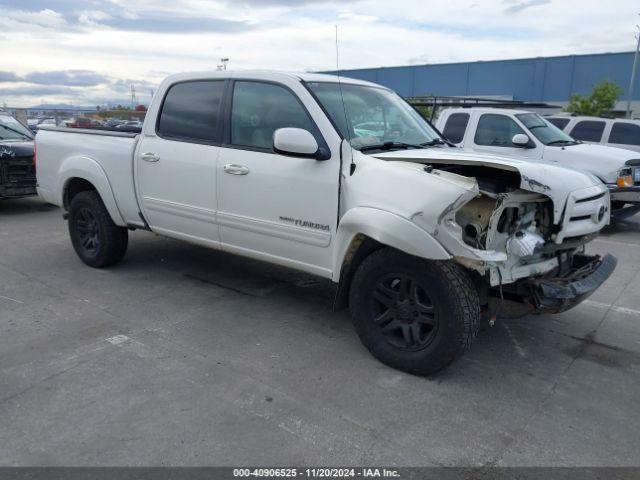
{"points": [[600, 160], [552, 180], [16, 149]]}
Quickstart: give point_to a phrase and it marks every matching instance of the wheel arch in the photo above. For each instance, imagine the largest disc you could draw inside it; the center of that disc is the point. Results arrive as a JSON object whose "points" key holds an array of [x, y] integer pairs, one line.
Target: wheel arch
{"points": [[364, 230], [79, 174]]}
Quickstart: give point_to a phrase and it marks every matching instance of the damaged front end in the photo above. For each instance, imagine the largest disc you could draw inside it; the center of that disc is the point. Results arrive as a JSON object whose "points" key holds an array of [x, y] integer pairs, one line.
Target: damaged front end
{"points": [[528, 259]]}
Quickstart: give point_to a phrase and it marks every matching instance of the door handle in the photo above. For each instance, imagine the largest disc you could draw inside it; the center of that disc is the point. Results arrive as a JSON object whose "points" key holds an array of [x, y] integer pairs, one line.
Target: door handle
{"points": [[234, 169], [150, 157]]}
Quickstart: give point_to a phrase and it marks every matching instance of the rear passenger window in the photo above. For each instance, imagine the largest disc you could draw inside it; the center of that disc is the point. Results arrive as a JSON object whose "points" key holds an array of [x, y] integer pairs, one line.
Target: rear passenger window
{"points": [[496, 130], [455, 127], [588, 131], [625, 133], [259, 109], [190, 111], [558, 122]]}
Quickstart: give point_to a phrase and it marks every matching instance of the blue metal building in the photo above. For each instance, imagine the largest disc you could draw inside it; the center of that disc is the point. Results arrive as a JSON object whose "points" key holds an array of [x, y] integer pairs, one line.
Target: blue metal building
{"points": [[543, 79]]}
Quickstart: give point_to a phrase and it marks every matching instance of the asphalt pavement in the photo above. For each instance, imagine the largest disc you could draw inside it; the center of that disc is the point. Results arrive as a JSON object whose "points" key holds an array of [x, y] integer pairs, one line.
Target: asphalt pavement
{"points": [[187, 356]]}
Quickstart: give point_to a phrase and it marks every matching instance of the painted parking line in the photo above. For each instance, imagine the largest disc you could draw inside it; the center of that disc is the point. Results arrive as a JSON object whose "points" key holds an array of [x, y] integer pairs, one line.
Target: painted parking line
{"points": [[11, 299], [615, 242], [613, 308]]}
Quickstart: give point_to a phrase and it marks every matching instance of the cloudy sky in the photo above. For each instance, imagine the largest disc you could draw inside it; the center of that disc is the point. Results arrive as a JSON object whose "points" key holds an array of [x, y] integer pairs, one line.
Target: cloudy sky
{"points": [[91, 51]]}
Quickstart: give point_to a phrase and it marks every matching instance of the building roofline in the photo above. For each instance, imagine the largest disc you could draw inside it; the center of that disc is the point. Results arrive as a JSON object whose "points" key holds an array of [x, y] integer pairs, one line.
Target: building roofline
{"points": [[471, 62]]}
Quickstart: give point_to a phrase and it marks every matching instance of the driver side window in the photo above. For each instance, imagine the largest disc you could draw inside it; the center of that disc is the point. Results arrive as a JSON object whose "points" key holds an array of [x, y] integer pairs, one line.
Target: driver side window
{"points": [[495, 130]]}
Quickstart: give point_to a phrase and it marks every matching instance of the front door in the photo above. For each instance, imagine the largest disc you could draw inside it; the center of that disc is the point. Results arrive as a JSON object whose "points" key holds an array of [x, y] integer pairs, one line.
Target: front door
{"points": [[494, 132], [176, 165], [275, 207]]}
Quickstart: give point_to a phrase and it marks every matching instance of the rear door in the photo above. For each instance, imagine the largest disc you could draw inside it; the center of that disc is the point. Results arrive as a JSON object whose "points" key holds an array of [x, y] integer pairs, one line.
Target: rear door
{"points": [[272, 206], [588, 131], [176, 164], [625, 135]]}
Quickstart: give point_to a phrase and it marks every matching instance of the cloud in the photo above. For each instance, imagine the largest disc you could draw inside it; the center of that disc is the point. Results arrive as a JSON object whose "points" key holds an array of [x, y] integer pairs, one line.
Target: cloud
{"points": [[9, 77], [183, 25], [36, 90], [44, 18], [517, 7], [97, 48], [72, 78], [286, 3]]}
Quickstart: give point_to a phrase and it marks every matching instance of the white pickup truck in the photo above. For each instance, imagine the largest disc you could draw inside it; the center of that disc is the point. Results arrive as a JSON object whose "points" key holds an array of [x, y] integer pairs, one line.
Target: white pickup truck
{"points": [[529, 136], [344, 180]]}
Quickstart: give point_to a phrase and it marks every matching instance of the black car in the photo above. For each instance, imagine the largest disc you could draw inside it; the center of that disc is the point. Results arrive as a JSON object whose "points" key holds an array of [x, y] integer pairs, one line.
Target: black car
{"points": [[17, 169]]}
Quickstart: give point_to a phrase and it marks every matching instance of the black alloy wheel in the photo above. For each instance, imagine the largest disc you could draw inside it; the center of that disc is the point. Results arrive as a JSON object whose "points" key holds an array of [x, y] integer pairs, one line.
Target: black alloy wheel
{"points": [[88, 231], [404, 312]]}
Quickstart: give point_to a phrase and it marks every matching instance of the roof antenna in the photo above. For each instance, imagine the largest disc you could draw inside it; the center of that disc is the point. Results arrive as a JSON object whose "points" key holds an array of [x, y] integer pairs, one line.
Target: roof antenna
{"points": [[352, 168]]}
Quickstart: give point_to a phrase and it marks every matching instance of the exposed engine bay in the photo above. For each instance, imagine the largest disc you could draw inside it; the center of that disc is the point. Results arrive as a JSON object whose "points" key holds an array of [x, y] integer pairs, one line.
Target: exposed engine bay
{"points": [[519, 227], [519, 223]]}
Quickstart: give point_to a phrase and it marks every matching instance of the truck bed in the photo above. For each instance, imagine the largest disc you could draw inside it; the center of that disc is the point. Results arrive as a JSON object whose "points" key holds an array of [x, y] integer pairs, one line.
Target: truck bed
{"points": [[109, 154]]}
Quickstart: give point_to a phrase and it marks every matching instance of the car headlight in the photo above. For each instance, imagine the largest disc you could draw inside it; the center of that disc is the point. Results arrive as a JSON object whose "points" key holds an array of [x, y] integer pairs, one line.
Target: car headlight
{"points": [[625, 178]]}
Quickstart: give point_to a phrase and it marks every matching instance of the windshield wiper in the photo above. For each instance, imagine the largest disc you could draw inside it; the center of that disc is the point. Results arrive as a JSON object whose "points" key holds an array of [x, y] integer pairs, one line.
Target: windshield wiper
{"points": [[389, 146], [563, 142], [437, 141]]}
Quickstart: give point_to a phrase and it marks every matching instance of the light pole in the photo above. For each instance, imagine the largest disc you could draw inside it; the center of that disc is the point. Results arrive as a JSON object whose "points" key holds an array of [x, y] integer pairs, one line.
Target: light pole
{"points": [[223, 63], [633, 74]]}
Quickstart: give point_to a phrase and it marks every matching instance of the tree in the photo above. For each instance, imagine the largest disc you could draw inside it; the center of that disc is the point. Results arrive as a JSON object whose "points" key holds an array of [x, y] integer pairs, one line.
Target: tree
{"points": [[600, 102]]}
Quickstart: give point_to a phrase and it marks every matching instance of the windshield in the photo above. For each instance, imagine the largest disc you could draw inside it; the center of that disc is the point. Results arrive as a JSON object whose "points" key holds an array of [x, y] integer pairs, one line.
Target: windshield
{"points": [[11, 129], [545, 131], [372, 116]]}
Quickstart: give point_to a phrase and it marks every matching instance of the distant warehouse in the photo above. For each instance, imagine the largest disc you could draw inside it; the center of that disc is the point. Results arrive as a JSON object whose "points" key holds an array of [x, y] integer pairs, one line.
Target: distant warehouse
{"points": [[543, 79]]}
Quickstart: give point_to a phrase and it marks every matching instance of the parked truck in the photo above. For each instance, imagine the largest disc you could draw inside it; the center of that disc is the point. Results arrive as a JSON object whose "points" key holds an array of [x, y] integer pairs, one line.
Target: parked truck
{"points": [[529, 136], [342, 179]]}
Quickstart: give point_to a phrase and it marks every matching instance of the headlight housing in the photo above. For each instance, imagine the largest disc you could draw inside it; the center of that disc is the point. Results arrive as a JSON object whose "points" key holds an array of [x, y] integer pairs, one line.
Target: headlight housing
{"points": [[625, 178]]}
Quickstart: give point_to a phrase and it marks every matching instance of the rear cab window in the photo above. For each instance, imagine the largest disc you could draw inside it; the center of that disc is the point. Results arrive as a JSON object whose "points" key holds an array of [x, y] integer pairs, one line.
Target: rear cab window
{"points": [[588, 130], [625, 133], [191, 112], [455, 127]]}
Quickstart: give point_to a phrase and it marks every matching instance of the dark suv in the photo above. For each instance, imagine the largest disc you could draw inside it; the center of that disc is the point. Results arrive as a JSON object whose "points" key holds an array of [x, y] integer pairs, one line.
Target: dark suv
{"points": [[17, 169]]}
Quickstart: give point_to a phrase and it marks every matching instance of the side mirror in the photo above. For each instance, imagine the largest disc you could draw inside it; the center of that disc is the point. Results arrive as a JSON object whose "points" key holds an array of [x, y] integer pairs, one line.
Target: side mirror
{"points": [[297, 142], [520, 140]]}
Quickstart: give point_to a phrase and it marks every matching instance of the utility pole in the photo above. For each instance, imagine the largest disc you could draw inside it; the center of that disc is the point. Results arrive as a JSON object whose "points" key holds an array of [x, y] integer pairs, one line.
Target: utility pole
{"points": [[133, 96], [633, 74], [223, 63]]}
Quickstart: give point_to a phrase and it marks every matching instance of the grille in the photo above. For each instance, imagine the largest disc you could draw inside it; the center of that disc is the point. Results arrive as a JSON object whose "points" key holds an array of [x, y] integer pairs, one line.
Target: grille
{"points": [[18, 172]]}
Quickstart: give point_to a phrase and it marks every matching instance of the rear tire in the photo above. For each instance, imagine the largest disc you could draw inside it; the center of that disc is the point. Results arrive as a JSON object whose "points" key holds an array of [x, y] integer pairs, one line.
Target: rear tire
{"points": [[96, 239], [412, 314]]}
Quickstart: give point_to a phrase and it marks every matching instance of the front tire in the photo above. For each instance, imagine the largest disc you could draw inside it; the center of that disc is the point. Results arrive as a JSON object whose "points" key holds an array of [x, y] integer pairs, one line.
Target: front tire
{"points": [[96, 239], [412, 314]]}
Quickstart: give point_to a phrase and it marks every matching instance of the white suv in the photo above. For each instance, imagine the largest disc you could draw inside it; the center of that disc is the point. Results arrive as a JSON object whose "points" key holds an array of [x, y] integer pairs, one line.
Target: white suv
{"points": [[614, 132]]}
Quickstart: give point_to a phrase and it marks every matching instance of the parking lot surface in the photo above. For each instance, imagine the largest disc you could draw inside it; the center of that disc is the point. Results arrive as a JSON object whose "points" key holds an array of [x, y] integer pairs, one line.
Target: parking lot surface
{"points": [[187, 356]]}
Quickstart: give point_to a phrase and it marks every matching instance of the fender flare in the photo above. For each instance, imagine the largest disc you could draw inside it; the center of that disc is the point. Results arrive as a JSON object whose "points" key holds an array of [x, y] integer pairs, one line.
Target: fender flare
{"points": [[88, 169], [387, 228]]}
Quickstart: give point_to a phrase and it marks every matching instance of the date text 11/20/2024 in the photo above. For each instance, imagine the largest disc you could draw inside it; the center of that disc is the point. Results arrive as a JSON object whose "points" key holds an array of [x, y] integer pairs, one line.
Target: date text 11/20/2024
{"points": [[316, 472]]}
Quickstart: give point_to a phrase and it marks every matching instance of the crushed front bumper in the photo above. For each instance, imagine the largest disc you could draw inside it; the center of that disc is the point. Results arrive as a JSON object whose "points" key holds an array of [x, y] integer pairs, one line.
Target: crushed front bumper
{"points": [[583, 277]]}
